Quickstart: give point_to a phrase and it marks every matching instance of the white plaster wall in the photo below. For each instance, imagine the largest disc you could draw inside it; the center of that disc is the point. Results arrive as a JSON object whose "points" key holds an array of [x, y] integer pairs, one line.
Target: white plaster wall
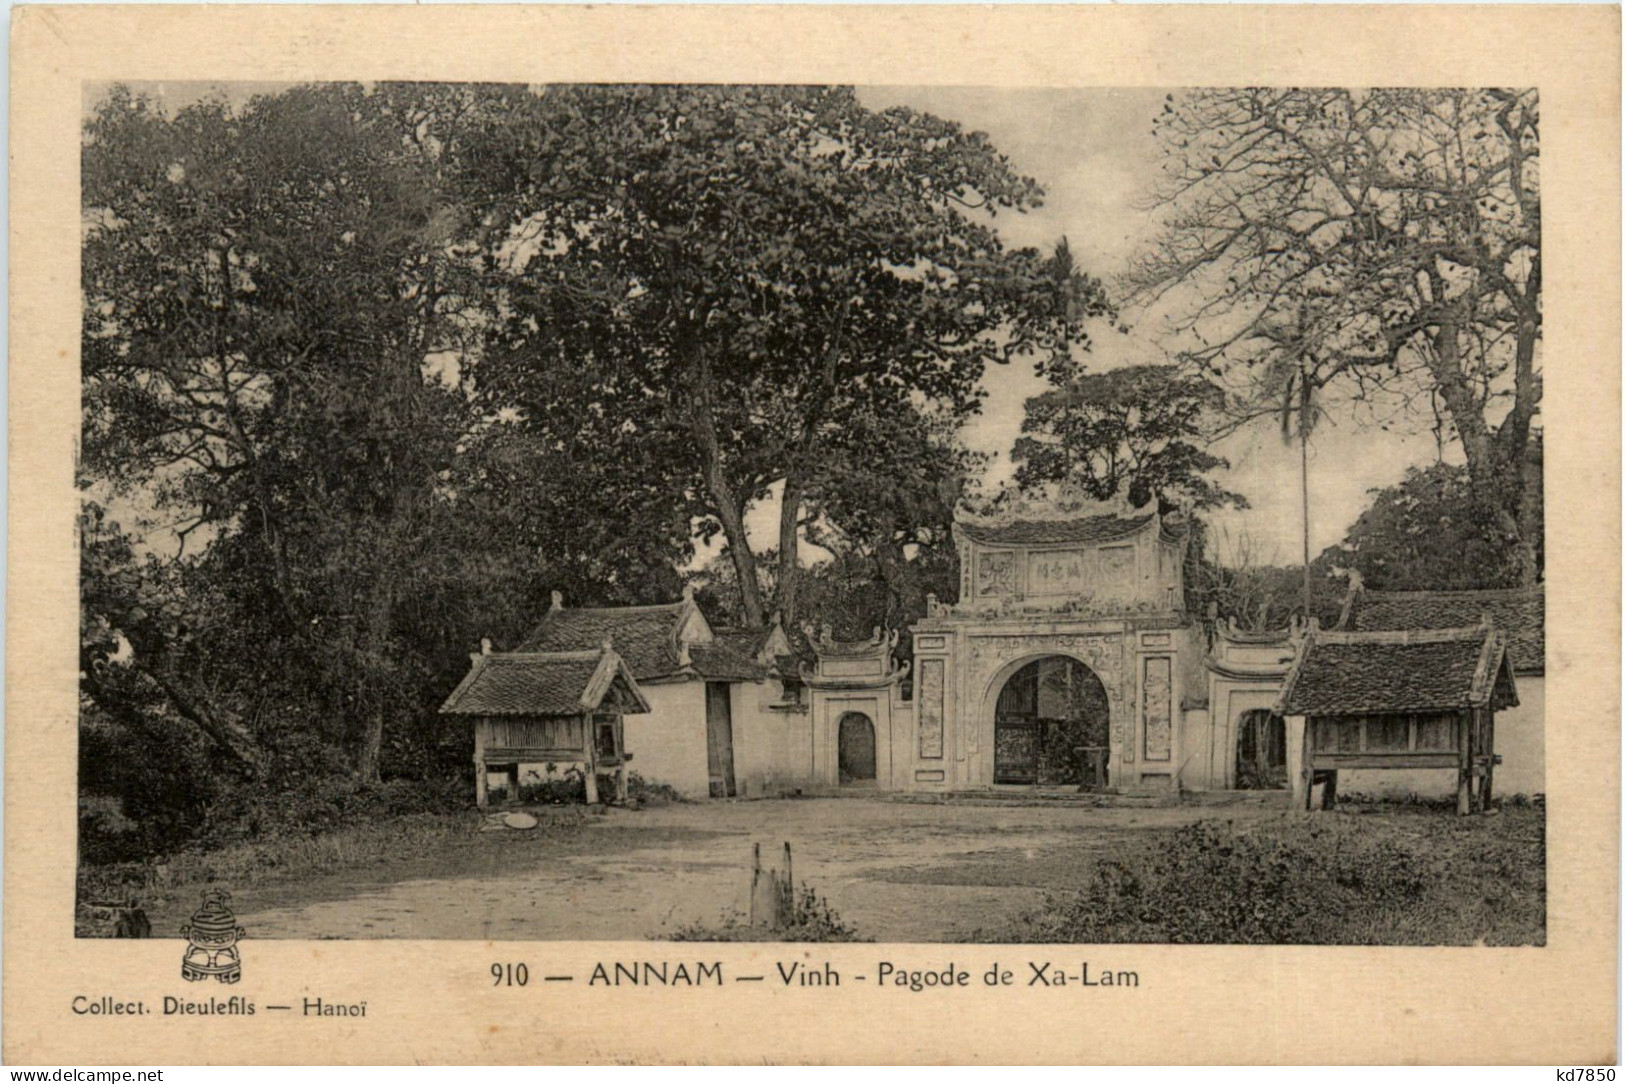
{"points": [[1196, 727], [1520, 738], [1295, 727], [797, 730], [762, 761], [668, 744], [905, 750]]}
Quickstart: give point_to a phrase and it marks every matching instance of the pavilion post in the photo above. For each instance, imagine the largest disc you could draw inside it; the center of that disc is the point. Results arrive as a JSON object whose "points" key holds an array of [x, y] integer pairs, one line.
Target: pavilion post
{"points": [[590, 759], [1307, 773], [481, 783], [1464, 770]]}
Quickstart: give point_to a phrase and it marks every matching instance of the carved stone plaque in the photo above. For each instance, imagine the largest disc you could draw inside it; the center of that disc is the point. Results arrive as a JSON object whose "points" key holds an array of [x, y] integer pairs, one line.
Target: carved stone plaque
{"points": [[930, 708], [996, 574], [1058, 572], [1157, 694]]}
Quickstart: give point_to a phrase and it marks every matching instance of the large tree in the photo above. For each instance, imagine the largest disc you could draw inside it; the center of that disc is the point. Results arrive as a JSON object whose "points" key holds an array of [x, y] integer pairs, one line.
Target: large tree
{"points": [[727, 273], [280, 303], [1381, 246], [885, 504], [261, 290], [1137, 431]]}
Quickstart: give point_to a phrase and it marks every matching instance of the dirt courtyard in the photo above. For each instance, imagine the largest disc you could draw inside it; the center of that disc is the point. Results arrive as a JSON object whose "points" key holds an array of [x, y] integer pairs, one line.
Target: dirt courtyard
{"points": [[893, 870]]}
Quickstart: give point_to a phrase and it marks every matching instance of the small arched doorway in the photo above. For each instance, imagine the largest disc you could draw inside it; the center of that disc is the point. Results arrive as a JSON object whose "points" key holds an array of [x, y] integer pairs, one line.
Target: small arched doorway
{"points": [[1051, 726], [1261, 751], [856, 749]]}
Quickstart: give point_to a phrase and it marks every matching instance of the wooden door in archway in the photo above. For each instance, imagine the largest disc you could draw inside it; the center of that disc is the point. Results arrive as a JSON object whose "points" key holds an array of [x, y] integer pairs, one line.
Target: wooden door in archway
{"points": [[1051, 726]]}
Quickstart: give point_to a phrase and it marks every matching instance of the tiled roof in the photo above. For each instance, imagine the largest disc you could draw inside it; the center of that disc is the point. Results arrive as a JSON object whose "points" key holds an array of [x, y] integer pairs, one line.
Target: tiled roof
{"points": [[645, 636], [1038, 532], [1519, 612], [1352, 673], [557, 683], [730, 656]]}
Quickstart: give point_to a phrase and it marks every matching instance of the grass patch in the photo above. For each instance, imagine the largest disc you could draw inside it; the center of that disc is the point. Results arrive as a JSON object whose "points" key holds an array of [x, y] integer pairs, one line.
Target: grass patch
{"points": [[1413, 874], [155, 886]]}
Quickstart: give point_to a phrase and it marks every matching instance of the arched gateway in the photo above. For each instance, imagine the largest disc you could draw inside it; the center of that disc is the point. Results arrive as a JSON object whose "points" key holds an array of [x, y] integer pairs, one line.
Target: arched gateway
{"points": [[1051, 726], [1068, 660], [856, 749]]}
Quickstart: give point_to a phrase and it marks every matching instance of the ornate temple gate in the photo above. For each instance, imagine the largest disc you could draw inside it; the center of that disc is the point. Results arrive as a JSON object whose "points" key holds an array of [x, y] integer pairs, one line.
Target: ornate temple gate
{"points": [[1100, 589], [1101, 586], [1002, 729]]}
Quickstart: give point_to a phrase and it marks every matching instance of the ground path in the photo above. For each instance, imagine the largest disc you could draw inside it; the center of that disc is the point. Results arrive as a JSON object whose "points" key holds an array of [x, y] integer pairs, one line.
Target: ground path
{"points": [[894, 870]]}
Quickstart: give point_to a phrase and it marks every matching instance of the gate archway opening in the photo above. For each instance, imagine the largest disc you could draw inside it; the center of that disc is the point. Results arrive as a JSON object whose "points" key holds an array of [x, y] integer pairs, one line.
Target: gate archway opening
{"points": [[1051, 726], [1261, 751], [855, 749]]}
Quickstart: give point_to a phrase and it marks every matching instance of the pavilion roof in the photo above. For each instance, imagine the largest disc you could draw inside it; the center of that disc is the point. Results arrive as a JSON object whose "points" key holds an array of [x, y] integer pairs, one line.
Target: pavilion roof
{"points": [[1374, 673], [546, 683]]}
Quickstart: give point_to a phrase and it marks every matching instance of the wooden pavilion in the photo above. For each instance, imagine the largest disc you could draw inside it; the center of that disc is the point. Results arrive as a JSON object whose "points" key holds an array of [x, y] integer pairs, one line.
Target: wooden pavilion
{"points": [[550, 709], [1405, 699]]}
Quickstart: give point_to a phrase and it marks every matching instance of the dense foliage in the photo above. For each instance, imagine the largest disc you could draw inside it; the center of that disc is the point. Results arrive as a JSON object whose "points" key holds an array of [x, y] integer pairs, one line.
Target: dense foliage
{"points": [[369, 370], [769, 285], [1139, 430], [1433, 531], [1415, 875]]}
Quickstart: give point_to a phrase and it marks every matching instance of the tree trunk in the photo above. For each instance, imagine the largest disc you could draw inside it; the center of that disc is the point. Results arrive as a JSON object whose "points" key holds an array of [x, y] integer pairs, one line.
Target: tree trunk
{"points": [[889, 560], [223, 728], [1304, 404], [1512, 448], [724, 500], [373, 661], [372, 747], [753, 611], [1494, 481], [790, 550]]}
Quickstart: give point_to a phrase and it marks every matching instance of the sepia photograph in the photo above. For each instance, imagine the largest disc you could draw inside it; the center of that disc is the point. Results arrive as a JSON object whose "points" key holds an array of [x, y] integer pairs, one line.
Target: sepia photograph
{"points": [[702, 512]]}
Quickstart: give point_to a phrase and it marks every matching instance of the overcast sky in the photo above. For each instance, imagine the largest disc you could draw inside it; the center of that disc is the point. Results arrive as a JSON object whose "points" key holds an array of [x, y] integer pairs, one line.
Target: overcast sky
{"points": [[1093, 152]]}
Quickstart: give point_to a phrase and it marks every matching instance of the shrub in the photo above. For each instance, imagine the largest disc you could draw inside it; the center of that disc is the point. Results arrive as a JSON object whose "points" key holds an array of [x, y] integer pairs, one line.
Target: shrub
{"points": [[811, 919], [153, 884], [1404, 875], [641, 792], [276, 809], [555, 788]]}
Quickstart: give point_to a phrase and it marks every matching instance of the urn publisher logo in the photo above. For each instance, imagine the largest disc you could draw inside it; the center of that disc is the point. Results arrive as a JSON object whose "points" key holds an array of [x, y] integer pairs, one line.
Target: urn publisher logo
{"points": [[211, 941]]}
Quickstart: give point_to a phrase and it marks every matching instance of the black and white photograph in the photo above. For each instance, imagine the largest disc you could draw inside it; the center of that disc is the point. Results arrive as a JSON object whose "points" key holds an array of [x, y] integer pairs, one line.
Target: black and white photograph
{"points": [[698, 512]]}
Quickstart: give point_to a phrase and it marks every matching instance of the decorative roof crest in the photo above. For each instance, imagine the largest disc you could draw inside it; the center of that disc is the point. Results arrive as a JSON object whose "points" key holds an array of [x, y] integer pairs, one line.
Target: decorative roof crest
{"points": [[1064, 503], [823, 642]]}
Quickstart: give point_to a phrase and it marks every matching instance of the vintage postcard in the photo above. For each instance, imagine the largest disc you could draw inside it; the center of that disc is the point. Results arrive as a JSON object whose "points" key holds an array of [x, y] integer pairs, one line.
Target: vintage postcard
{"points": [[813, 535]]}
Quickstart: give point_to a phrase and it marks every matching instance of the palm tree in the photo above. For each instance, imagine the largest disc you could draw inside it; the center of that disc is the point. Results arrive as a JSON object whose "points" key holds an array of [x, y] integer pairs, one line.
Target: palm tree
{"points": [[1291, 386]]}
